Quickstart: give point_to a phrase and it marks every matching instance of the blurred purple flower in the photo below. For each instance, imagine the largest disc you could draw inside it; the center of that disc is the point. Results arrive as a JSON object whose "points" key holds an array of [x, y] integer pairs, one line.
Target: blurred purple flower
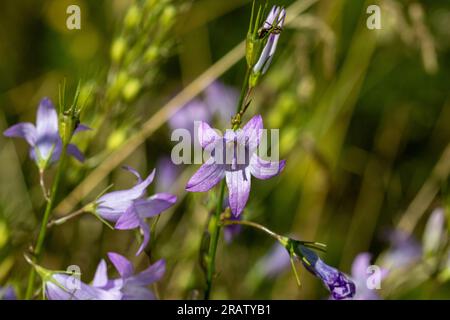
{"points": [[129, 208], [221, 99], [339, 285], [133, 286], [62, 286], [360, 276], [275, 261], [237, 173], [7, 293], [404, 250], [274, 19], [232, 230], [167, 174], [195, 110], [44, 139]]}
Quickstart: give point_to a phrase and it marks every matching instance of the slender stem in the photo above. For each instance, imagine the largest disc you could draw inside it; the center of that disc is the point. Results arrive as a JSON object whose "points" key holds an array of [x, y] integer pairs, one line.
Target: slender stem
{"points": [[45, 218], [244, 91], [66, 218], [42, 184], [258, 226], [214, 226], [214, 223]]}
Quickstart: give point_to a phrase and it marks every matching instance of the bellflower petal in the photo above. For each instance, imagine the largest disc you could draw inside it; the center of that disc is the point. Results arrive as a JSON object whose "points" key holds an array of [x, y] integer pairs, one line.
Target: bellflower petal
{"points": [[146, 233], [122, 264], [75, 152], [207, 176], [206, 135], [264, 169], [113, 204], [154, 205], [58, 289], [251, 133], [150, 275], [24, 130], [101, 275], [238, 183], [128, 220]]}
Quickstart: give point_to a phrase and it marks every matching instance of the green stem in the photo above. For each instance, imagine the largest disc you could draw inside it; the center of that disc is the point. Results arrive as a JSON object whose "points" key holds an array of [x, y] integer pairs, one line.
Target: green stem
{"points": [[43, 230], [276, 236], [214, 223], [214, 226]]}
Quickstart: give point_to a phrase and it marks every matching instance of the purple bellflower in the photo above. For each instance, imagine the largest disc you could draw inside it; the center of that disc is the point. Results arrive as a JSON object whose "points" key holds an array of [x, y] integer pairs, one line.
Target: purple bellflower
{"points": [[129, 208], [239, 149], [62, 286], [339, 285], [133, 286], [275, 19], [360, 276], [44, 138]]}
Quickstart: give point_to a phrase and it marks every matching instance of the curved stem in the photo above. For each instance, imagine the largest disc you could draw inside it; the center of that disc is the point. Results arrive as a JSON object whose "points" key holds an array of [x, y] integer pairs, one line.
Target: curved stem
{"points": [[214, 227], [276, 236], [66, 218], [48, 209]]}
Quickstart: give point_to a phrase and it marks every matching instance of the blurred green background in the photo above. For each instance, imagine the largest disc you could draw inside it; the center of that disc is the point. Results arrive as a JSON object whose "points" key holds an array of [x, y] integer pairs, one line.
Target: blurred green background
{"points": [[363, 118]]}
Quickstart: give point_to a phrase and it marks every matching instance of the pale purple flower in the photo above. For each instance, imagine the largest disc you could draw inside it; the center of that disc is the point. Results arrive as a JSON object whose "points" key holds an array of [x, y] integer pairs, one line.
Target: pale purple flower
{"points": [[360, 275], [167, 174], [221, 99], [195, 110], [60, 286], [7, 293], [339, 285], [404, 250], [274, 262], [234, 158], [44, 138], [274, 19], [129, 208], [132, 286]]}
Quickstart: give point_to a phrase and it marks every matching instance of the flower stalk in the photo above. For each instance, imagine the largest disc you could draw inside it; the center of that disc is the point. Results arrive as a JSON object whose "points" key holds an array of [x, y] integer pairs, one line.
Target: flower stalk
{"points": [[43, 230]]}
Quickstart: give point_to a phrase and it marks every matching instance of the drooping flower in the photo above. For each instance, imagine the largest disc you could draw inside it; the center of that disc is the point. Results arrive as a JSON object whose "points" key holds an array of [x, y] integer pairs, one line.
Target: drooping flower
{"points": [[360, 277], [132, 286], [274, 20], [7, 293], [339, 285], [233, 157], [44, 138], [129, 208]]}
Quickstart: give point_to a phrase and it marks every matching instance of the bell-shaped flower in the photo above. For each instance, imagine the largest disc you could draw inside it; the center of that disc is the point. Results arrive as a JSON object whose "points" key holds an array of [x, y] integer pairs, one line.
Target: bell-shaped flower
{"points": [[132, 286], [233, 157], [339, 285], [129, 208], [44, 138]]}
